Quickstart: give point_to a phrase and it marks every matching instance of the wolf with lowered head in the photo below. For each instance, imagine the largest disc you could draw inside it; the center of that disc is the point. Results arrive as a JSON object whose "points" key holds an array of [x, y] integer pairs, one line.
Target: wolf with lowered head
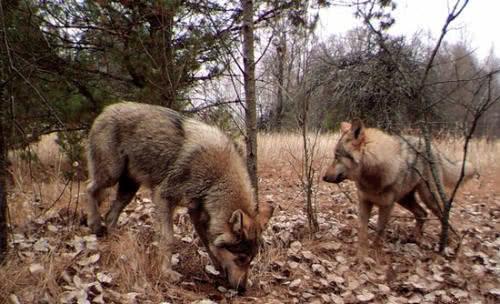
{"points": [[185, 163]]}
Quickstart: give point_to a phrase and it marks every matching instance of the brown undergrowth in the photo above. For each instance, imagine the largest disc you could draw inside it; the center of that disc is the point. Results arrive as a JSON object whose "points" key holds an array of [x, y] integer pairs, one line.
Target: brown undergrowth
{"points": [[54, 258]]}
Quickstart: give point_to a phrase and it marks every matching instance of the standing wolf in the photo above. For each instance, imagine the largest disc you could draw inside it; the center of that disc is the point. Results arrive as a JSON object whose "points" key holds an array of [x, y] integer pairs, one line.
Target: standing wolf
{"points": [[184, 162], [389, 169]]}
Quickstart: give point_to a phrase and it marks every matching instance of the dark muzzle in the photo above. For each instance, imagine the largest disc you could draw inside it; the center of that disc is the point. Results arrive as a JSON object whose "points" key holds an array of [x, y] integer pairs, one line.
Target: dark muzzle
{"points": [[334, 179], [241, 290]]}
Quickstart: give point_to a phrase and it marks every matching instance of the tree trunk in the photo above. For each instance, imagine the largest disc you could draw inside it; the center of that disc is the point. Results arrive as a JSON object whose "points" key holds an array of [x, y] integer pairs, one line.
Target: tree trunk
{"points": [[281, 53], [3, 191], [5, 74], [250, 102]]}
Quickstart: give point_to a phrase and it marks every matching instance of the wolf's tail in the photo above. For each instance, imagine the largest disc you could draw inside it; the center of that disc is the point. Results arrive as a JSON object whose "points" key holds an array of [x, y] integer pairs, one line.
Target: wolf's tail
{"points": [[452, 170]]}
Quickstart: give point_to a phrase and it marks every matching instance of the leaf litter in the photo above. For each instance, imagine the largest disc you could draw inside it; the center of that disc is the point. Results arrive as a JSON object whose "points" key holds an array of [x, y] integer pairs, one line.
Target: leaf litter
{"points": [[295, 267]]}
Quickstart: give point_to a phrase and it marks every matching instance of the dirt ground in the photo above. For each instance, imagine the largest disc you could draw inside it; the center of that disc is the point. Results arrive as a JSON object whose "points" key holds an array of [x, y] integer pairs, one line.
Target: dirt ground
{"points": [[55, 259]]}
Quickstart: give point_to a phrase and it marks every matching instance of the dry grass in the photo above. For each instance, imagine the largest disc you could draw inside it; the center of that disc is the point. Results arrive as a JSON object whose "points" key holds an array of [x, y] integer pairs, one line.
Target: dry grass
{"points": [[280, 148], [132, 255], [276, 150], [482, 153], [42, 180], [43, 157]]}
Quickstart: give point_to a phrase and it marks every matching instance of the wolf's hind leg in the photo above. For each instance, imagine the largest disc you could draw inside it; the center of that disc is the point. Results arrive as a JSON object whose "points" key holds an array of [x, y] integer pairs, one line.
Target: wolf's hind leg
{"points": [[127, 187], [429, 200], [410, 203]]}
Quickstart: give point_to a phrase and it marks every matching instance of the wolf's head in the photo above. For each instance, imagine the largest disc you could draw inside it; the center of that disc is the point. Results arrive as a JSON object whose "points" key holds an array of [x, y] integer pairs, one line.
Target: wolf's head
{"points": [[346, 163], [236, 247]]}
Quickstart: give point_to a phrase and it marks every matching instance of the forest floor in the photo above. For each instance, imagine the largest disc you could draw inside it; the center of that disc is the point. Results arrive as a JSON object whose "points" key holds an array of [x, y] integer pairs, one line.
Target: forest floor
{"points": [[55, 259]]}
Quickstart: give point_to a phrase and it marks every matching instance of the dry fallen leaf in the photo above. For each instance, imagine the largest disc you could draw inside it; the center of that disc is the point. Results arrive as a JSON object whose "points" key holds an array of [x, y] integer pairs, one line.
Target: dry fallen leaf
{"points": [[36, 268], [414, 299], [494, 292], [52, 228], [459, 293], [13, 299], [336, 299], [187, 239], [365, 297], [131, 297], [335, 279], [99, 299], [293, 265], [384, 288], [308, 255], [104, 278], [205, 301], [211, 270], [295, 247], [295, 283], [175, 259], [89, 260], [42, 245], [203, 253], [318, 269]]}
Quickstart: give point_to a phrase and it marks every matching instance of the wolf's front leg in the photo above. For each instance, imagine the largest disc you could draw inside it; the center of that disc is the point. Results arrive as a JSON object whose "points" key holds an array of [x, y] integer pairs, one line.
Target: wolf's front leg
{"points": [[94, 198], [384, 213], [127, 187], [365, 209], [200, 219], [165, 211]]}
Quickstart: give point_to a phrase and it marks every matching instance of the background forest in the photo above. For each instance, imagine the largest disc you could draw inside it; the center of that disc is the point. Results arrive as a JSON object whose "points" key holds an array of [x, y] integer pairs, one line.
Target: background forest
{"points": [[63, 61]]}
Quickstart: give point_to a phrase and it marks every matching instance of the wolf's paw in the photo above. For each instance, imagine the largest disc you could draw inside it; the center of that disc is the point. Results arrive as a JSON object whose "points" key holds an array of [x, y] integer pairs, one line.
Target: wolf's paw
{"points": [[98, 229], [413, 239], [111, 219]]}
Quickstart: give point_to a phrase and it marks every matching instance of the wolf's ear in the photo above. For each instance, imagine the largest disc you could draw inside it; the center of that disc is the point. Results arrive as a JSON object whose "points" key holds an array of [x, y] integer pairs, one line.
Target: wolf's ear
{"points": [[236, 222], [345, 127], [357, 129], [265, 212]]}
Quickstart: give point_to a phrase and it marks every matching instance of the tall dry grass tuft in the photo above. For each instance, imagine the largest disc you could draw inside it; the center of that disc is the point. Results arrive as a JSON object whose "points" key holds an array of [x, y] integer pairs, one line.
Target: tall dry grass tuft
{"points": [[40, 160], [134, 263], [41, 181]]}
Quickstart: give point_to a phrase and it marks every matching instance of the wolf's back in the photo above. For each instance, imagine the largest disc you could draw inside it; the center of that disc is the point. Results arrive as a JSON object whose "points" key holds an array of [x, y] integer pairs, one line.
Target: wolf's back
{"points": [[142, 139], [452, 170], [151, 141]]}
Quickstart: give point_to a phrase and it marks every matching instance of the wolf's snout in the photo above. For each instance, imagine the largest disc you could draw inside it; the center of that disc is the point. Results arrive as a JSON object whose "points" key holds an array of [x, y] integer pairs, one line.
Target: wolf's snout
{"points": [[242, 289], [335, 179], [237, 282]]}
